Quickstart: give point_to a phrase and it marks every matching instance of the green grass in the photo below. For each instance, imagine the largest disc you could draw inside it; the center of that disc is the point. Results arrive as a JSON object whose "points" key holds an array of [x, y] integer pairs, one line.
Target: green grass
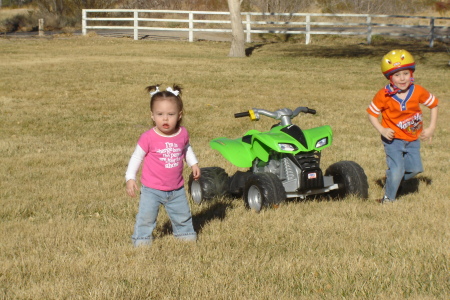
{"points": [[73, 108]]}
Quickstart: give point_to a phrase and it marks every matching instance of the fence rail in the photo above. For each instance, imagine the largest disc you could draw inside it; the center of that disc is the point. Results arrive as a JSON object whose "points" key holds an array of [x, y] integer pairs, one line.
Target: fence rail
{"points": [[260, 23]]}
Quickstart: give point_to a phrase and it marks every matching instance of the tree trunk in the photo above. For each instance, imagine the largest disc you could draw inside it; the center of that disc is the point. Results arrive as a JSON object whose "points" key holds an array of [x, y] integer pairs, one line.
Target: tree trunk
{"points": [[237, 31]]}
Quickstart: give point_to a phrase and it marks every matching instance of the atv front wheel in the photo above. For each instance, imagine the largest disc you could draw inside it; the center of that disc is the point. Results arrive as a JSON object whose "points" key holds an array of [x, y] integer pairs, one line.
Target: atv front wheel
{"points": [[350, 178], [263, 190], [237, 183], [213, 182]]}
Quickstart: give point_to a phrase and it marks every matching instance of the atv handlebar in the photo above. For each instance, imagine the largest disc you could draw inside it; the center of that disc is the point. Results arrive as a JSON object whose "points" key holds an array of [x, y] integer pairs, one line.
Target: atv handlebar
{"points": [[284, 114], [242, 114], [305, 110]]}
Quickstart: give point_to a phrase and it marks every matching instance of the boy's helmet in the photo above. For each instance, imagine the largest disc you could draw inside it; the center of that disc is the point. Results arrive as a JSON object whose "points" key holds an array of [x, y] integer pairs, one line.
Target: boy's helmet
{"points": [[395, 61]]}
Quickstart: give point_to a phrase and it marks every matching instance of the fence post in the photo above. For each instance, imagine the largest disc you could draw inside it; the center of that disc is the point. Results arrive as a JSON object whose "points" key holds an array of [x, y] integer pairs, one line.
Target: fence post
{"points": [[248, 28], [432, 32], [41, 27], [135, 25], [83, 22], [191, 27], [369, 30], [308, 29]]}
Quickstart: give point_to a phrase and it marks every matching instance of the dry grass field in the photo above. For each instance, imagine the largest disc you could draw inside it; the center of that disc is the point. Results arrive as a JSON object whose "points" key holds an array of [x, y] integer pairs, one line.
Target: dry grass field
{"points": [[73, 108]]}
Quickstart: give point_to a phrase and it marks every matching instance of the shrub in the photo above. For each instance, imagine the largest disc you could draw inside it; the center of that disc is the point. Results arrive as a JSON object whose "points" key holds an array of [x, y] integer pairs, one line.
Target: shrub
{"points": [[389, 7], [20, 22]]}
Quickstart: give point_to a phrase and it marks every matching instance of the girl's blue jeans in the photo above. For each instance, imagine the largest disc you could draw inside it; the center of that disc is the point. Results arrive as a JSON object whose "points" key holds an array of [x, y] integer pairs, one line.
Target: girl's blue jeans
{"points": [[403, 162], [177, 208]]}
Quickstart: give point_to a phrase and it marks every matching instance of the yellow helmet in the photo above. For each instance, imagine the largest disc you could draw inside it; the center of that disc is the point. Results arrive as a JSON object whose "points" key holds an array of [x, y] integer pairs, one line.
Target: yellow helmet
{"points": [[395, 61]]}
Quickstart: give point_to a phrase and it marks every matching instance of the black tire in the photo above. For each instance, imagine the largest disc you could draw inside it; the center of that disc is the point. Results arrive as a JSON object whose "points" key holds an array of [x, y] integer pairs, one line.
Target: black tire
{"points": [[263, 190], [351, 180], [237, 183], [213, 182]]}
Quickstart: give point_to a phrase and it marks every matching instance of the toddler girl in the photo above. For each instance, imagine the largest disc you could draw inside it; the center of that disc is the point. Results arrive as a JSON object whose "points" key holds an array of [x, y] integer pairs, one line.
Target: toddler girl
{"points": [[162, 150]]}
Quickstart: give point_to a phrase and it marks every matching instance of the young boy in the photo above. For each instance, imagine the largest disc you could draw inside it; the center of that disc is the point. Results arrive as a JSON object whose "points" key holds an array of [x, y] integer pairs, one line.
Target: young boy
{"points": [[401, 126]]}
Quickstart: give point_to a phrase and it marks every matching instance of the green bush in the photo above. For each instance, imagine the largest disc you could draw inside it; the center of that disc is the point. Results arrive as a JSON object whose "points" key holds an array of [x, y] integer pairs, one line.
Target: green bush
{"points": [[20, 22]]}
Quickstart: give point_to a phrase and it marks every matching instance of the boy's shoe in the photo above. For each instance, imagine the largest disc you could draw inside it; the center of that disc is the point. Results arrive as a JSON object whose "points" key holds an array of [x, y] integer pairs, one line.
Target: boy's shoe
{"points": [[385, 200]]}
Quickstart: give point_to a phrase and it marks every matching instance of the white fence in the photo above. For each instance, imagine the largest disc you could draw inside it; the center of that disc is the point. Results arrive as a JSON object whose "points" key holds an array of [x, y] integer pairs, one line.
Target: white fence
{"points": [[139, 21]]}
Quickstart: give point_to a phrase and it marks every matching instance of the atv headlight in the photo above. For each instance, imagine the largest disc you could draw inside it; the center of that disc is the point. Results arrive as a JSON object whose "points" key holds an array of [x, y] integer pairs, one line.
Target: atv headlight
{"points": [[322, 142], [287, 147]]}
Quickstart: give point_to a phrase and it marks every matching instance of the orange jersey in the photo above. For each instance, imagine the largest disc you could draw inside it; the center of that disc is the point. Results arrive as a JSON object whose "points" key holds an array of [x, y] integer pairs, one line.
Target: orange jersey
{"points": [[403, 116]]}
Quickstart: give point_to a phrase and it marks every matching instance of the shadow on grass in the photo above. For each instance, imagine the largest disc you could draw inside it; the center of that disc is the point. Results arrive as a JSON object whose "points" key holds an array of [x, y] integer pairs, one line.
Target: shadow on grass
{"points": [[364, 50], [331, 47], [249, 50], [407, 187], [216, 211]]}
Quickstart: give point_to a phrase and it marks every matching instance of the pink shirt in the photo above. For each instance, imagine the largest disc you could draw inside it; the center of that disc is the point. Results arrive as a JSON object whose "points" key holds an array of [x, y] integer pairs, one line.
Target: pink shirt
{"points": [[163, 161]]}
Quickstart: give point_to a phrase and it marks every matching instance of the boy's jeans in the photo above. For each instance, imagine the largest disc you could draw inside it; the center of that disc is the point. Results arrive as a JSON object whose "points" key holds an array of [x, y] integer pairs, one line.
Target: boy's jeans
{"points": [[177, 208], [403, 161]]}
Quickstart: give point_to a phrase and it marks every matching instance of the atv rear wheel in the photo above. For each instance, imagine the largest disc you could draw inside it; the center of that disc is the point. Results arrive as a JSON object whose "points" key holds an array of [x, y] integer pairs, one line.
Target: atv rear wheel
{"points": [[351, 179], [263, 190], [213, 182]]}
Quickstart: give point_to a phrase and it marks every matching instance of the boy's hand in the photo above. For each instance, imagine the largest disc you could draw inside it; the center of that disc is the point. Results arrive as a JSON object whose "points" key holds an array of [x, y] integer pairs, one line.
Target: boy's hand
{"points": [[132, 188], [388, 133], [196, 171], [427, 134]]}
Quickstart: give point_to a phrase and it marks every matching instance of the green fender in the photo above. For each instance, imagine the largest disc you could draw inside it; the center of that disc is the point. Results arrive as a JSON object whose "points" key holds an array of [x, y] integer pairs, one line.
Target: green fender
{"points": [[234, 150], [242, 154], [313, 135], [266, 141]]}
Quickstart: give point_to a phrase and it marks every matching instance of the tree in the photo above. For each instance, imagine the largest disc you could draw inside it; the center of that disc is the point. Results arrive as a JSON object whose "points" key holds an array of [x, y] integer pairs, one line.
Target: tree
{"points": [[237, 31]]}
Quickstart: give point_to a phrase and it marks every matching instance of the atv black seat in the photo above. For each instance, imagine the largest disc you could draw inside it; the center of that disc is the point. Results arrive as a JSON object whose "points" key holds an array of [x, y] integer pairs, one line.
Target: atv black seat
{"points": [[247, 139], [296, 133]]}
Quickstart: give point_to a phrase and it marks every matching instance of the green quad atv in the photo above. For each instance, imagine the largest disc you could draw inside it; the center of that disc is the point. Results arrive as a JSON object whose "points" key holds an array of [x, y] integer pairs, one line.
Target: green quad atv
{"points": [[283, 162]]}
